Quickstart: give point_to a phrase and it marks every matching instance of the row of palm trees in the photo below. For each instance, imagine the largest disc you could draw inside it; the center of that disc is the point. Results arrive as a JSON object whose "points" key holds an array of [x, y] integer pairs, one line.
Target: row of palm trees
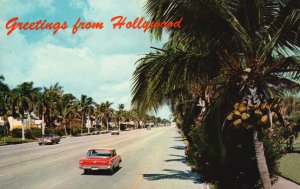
{"points": [[54, 108], [231, 51]]}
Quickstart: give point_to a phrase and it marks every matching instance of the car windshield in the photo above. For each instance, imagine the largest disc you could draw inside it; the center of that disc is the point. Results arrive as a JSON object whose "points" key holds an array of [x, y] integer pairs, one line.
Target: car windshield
{"points": [[99, 153], [47, 136]]}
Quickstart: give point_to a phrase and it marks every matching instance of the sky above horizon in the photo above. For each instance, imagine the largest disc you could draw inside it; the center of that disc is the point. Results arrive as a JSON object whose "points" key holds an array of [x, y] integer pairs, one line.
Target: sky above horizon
{"points": [[98, 63]]}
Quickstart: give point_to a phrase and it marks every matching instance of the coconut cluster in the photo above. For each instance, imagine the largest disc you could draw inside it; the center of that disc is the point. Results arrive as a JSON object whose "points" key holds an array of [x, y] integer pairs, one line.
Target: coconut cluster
{"points": [[250, 115]]}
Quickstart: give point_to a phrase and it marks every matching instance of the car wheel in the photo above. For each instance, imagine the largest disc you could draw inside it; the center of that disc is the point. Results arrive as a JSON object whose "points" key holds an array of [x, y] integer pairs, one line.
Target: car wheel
{"points": [[40, 144], [112, 170], [86, 171]]}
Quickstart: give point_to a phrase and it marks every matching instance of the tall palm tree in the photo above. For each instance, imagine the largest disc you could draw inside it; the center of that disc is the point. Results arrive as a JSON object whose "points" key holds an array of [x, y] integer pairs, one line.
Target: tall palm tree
{"points": [[85, 104], [23, 99], [5, 94], [73, 114], [120, 114], [100, 113], [49, 100], [245, 50], [64, 108], [108, 112]]}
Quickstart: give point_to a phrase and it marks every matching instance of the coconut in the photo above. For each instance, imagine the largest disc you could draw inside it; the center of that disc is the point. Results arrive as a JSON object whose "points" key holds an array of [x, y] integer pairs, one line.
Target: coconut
{"points": [[245, 116], [237, 122], [242, 108], [237, 113], [264, 119]]}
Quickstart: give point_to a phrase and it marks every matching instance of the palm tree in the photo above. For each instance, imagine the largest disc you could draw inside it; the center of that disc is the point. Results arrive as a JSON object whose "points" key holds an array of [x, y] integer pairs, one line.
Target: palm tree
{"points": [[100, 113], [64, 108], [108, 112], [23, 99], [85, 104], [4, 101], [48, 102], [245, 52], [120, 114], [74, 113]]}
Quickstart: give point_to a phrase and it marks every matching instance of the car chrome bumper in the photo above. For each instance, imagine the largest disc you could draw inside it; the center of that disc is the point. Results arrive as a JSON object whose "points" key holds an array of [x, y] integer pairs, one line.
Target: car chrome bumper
{"points": [[44, 142], [95, 167]]}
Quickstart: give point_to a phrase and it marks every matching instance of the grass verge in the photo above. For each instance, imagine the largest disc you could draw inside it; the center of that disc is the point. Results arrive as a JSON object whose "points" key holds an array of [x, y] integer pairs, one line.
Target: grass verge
{"points": [[12, 140], [289, 165]]}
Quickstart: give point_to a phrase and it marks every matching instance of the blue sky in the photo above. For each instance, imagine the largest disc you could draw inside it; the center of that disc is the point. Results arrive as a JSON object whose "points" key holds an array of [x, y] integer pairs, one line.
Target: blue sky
{"points": [[98, 63]]}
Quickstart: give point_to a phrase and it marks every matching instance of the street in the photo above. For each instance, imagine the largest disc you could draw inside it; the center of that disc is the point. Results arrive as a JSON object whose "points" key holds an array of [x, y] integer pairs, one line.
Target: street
{"points": [[151, 159]]}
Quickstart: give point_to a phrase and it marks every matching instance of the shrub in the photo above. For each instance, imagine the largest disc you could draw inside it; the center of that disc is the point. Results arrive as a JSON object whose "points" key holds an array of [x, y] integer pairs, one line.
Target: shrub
{"points": [[17, 133]]}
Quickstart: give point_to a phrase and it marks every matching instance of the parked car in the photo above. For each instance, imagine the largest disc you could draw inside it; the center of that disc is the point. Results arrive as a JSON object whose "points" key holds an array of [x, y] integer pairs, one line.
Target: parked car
{"points": [[100, 159], [95, 132], [115, 132], [49, 139], [104, 132]]}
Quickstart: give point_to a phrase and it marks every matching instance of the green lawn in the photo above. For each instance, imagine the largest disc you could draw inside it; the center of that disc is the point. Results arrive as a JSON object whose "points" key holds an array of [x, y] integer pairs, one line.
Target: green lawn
{"points": [[11, 140], [290, 163]]}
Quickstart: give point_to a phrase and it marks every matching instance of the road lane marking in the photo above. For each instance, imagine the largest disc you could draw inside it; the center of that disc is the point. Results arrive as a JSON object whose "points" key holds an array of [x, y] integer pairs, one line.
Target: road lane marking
{"points": [[58, 183], [146, 168]]}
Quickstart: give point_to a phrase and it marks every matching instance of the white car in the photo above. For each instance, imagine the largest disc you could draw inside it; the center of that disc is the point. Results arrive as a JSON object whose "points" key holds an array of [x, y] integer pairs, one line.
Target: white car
{"points": [[115, 132]]}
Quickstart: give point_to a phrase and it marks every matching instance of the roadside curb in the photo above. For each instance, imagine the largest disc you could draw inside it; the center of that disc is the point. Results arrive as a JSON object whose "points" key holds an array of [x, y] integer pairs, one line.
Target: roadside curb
{"points": [[284, 177]]}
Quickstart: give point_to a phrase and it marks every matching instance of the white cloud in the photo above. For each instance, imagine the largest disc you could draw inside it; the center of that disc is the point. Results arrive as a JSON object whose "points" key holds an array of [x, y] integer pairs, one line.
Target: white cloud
{"points": [[98, 63], [12, 8]]}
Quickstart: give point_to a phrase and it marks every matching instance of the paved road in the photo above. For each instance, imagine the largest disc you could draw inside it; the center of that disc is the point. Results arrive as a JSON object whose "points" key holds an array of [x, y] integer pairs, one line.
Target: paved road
{"points": [[151, 159]]}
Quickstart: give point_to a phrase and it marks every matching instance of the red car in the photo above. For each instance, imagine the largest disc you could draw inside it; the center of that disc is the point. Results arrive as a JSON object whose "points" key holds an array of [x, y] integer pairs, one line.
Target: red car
{"points": [[100, 159], [49, 139]]}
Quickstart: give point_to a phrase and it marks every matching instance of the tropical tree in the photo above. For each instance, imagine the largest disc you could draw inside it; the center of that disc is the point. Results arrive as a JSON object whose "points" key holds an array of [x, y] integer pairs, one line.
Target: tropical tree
{"points": [[108, 111], [120, 114], [100, 113], [64, 108], [136, 117], [245, 53], [4, 100], [4, 92], [85, 104], [23, 101], [73, 114], [48, 104]]}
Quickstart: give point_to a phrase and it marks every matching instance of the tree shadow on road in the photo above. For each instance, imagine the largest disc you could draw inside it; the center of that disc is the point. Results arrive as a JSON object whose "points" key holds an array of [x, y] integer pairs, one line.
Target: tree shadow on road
{"points": [[178, 147], [173, 174], [180, 158]]}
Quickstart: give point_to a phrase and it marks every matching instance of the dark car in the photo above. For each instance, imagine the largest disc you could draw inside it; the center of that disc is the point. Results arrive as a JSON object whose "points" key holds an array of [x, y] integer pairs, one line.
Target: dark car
{"points": [[49, 139], [95, 132]]}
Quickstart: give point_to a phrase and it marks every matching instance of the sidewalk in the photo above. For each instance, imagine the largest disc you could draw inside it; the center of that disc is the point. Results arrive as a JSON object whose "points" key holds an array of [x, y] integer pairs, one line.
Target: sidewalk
{"points": [[283, 183]]}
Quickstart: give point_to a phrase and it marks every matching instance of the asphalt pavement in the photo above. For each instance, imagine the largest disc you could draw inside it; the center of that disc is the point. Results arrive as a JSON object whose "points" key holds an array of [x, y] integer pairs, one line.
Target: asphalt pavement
{"points": [[151, 159]]}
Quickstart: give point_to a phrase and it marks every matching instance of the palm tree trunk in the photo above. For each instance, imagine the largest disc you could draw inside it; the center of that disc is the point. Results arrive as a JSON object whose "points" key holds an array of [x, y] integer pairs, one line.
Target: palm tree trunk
{"points": [[70, 128], [261, 161], [23, 127], [43, 124], [81, 124], [106, 123], [65, 126]]}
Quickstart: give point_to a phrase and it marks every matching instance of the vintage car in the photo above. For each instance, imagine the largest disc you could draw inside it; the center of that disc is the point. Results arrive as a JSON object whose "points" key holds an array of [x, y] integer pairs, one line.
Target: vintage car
{"points": [[115, 132], [100, 159], [49, 139], [104, 132], [95, 132]]}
